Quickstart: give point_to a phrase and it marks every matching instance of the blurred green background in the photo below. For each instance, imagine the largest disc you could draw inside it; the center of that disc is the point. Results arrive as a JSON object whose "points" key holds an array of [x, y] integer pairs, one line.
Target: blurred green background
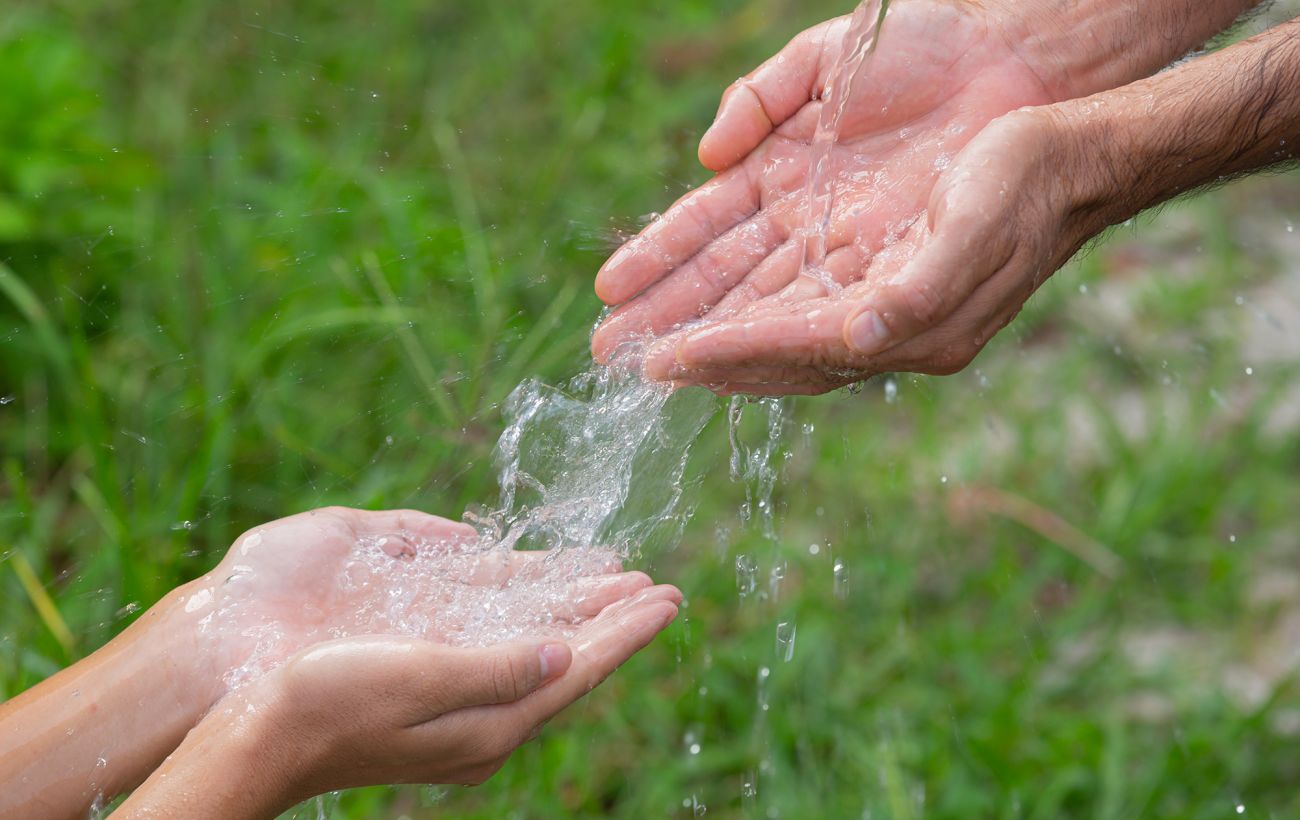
{"points": [[257, 258]]}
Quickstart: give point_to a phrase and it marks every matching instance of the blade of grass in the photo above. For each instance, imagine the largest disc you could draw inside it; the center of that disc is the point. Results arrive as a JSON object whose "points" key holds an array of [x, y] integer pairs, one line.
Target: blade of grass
{"points": [[415, 353], [43, 603], [487, 299]]}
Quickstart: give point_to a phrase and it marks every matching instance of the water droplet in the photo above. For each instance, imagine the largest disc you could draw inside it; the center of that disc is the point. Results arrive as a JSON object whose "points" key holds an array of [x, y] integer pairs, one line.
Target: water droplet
{"points": [[775, 580], [746, 575], [785, 635], [891, 389], [1250, 371], [943, 479], [841, 575], [1232, 539], [7, 400], [814, 549]]}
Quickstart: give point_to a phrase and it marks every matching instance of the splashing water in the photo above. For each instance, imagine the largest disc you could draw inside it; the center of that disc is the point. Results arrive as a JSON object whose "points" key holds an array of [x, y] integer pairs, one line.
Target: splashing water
{"points": [[591, 473], [855, 52], [599, 462]]}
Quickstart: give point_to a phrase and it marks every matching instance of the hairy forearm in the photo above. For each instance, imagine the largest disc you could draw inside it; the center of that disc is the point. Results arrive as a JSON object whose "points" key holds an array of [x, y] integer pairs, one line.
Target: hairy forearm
{"points": [[1080, 47], [1227, 113], [98, 727]]}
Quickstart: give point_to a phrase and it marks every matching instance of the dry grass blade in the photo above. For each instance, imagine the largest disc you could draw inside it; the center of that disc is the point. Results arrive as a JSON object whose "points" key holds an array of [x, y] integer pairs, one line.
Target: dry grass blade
{"points": [[965, 502]]}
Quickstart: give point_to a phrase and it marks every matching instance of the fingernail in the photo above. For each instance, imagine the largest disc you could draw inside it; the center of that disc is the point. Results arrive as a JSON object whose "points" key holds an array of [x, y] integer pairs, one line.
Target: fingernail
{"points": [[555, 658], [867, 333]]}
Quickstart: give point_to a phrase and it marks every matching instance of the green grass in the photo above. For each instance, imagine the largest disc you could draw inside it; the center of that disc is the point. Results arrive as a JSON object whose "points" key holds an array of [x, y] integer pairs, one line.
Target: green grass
{"points": [[256, 259]]}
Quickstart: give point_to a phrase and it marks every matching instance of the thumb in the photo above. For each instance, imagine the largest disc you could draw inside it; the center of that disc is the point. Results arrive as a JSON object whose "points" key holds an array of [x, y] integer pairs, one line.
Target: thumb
{"points": [[753, 106], [498, 674]]}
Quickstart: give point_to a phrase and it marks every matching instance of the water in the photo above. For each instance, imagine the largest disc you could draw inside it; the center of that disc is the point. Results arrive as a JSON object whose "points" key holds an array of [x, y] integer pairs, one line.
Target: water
{"points": [[597, 462], [785, 636], [840, 572], [855, 56], [591, 473], [753, 463]]}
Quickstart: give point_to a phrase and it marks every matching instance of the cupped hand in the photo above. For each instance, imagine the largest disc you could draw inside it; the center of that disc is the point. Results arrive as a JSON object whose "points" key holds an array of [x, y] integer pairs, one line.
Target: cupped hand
{"points": [[940, 73], [427, 713], [339, 572], [380, 709], [1002, 219]]}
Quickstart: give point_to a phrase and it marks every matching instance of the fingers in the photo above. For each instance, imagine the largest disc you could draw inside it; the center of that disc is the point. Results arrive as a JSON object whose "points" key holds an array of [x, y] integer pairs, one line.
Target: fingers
{"points": [[949, 265], [601, 647], [910, 288], [777, 389], [589, 596], [769, 277], [496, 674], [806, 334], [763, 99], [690, 290], [691, 223], [714, 377], [953, 344]]}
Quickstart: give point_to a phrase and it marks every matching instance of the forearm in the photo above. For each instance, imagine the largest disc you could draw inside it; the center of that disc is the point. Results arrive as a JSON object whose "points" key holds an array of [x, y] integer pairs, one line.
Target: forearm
{"points": [[98, 727], [231, 766], [1224, 114], [1081, 47]]}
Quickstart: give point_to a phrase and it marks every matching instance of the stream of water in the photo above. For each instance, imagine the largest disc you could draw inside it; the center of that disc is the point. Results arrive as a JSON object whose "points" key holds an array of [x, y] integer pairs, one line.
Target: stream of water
{"points": [[844, 76]]}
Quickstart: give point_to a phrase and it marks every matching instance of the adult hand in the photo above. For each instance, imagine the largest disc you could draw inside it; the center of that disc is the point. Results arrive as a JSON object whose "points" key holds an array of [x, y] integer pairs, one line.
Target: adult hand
{"points": [[914, 201], [374, 710], [1002, 218], [940, 73]]}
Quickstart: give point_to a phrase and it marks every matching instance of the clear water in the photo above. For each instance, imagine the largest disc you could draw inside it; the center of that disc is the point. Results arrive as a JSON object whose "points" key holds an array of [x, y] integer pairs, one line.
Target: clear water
{"points": [[590, 470], [846, 74]]}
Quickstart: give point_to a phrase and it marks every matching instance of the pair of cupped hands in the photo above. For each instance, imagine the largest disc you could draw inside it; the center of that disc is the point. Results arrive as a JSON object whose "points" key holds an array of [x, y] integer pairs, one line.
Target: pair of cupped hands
{"points": [[950, 210], [284, 673]]}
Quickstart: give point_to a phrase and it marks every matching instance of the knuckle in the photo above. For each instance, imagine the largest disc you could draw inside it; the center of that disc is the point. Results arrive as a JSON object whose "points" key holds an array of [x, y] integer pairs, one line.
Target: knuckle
{"points": [[699, 214], [509, 678], [923, 302], [502, 680]]}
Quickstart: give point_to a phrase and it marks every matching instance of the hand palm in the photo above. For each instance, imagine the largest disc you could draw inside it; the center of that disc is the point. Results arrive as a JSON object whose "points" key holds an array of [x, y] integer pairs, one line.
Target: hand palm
{"points": [[337, 573], [939, 75]]}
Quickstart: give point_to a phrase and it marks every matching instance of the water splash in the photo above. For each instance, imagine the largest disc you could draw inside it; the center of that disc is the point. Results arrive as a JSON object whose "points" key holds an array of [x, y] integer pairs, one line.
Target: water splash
{"points": [[855, 56], [591, 473], [599, 461]]}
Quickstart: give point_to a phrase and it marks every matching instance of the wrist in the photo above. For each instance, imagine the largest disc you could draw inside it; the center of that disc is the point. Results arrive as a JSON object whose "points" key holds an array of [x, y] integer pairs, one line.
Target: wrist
{"points": [[185, 648], [1080, 48], [236, 763]]}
